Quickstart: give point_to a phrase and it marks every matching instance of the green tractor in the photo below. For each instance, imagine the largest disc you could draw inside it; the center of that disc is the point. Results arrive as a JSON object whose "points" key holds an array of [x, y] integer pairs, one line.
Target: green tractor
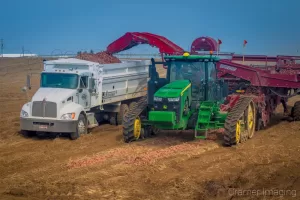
{"points": [[189, 98]]}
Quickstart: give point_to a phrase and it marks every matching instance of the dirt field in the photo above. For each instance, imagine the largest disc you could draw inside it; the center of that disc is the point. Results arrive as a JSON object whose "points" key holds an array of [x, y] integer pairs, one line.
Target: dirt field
{"points": [[170, 166]]}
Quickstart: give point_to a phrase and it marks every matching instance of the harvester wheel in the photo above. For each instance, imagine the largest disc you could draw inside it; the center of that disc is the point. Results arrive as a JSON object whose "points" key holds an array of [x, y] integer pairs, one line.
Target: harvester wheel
{"points": [[123, 110], [240, 122], [259, 125], [296, 111]]}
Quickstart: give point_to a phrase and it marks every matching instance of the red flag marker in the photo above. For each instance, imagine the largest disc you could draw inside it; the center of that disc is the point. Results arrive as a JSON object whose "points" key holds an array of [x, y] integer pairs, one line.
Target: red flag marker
{"points": [[219, 41], [245, 42]]}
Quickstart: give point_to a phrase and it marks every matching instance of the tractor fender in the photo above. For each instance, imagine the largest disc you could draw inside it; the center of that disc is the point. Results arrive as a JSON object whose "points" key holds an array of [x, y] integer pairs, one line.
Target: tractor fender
{"points": [[72, 108]]}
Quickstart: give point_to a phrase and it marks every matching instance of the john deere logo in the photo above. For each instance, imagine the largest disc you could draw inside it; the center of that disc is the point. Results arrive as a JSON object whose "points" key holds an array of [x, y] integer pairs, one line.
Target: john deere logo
{"points": [[165, 107]]}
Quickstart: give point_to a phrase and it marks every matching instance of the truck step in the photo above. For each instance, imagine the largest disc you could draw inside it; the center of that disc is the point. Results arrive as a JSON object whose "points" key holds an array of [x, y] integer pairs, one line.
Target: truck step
{"points": [[93, 125], [92, 122]]}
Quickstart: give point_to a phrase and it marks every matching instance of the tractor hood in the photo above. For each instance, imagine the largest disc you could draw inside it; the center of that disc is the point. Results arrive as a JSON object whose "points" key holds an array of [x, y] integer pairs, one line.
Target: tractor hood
{"points": [[173, 89]]}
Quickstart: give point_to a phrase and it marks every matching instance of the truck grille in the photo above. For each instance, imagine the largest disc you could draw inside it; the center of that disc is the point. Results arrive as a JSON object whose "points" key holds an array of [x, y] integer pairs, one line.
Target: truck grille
{"points": [[44, 109]]}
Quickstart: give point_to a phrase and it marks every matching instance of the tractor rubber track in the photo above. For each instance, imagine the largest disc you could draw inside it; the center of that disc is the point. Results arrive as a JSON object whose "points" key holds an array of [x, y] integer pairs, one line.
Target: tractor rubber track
{"points": [[232, 118], [130, 116]]}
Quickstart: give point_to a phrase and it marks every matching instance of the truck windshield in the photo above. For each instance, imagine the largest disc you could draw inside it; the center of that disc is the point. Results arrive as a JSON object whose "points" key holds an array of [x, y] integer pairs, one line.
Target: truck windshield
{"points": [[55, 80]]}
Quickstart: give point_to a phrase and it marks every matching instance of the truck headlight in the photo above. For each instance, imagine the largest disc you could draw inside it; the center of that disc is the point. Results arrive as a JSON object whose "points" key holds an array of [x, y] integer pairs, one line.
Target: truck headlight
{"points": [[157, 99], [24, 113], [173, 99], [68, 116]]}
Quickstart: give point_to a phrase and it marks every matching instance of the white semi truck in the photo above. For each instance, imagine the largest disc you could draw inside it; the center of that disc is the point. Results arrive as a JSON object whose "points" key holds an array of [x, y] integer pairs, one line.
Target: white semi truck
{"points": [[76, 95]]}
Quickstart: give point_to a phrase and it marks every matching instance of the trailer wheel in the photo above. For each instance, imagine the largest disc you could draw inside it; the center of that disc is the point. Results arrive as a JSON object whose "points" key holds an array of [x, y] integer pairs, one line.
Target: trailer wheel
{"points": [[113, 120], [132, 105], [81, 127], [123, 110], [296, 111]]}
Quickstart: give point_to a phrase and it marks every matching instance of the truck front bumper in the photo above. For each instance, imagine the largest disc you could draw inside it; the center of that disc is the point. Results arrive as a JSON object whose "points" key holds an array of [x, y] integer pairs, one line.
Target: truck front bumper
{"points": [[46, 125]]}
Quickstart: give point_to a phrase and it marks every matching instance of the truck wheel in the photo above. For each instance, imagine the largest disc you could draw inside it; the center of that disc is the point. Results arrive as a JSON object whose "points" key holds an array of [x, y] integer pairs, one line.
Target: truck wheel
{"points": [[81, 127], [123, 110], [28, 134], [296, 111]]}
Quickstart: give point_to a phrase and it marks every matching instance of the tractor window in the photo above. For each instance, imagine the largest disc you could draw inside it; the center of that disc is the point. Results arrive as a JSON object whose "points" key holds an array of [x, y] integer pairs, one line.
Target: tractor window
{"points": [[212, 73], [193, 71]]}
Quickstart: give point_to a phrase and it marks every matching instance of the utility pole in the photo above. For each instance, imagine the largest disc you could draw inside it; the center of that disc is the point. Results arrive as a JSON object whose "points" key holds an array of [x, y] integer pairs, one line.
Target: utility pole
{"points": [[1, 46], [23, 50]]}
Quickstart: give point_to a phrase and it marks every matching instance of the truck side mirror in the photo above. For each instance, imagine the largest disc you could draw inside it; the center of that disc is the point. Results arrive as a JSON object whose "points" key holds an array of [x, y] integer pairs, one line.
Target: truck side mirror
{"points": [[24, 89], [92, 90], [28, 82], [92, 85]]}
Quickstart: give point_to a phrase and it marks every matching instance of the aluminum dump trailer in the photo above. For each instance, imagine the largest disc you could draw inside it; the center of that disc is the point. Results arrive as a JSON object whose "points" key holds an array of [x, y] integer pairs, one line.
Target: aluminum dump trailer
{"points": [[76, 95]]}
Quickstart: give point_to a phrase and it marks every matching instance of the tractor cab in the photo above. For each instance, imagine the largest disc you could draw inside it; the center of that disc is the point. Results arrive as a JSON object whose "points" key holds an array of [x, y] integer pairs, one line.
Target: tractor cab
{"points": [[199, 70]]}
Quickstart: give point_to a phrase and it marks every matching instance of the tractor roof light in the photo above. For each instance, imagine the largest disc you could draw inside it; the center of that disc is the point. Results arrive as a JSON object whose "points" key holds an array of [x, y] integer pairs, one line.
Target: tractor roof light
{"points": [[186, 54]]}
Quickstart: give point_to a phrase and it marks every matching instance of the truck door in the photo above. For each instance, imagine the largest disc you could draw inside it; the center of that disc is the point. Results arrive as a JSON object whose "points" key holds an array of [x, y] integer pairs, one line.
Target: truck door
{"points": [[84, 97]]}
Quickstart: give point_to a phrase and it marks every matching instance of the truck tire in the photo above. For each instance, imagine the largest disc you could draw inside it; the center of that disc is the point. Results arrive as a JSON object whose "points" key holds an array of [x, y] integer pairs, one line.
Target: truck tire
{"points": [[123, 110], [81, 127], [296, 111], [113, 120], [28, 134], [132, 105]]}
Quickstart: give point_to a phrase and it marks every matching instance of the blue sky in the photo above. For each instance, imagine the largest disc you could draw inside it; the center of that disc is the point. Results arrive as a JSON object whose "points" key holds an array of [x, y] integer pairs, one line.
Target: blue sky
{"points": [[52, 26]]}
